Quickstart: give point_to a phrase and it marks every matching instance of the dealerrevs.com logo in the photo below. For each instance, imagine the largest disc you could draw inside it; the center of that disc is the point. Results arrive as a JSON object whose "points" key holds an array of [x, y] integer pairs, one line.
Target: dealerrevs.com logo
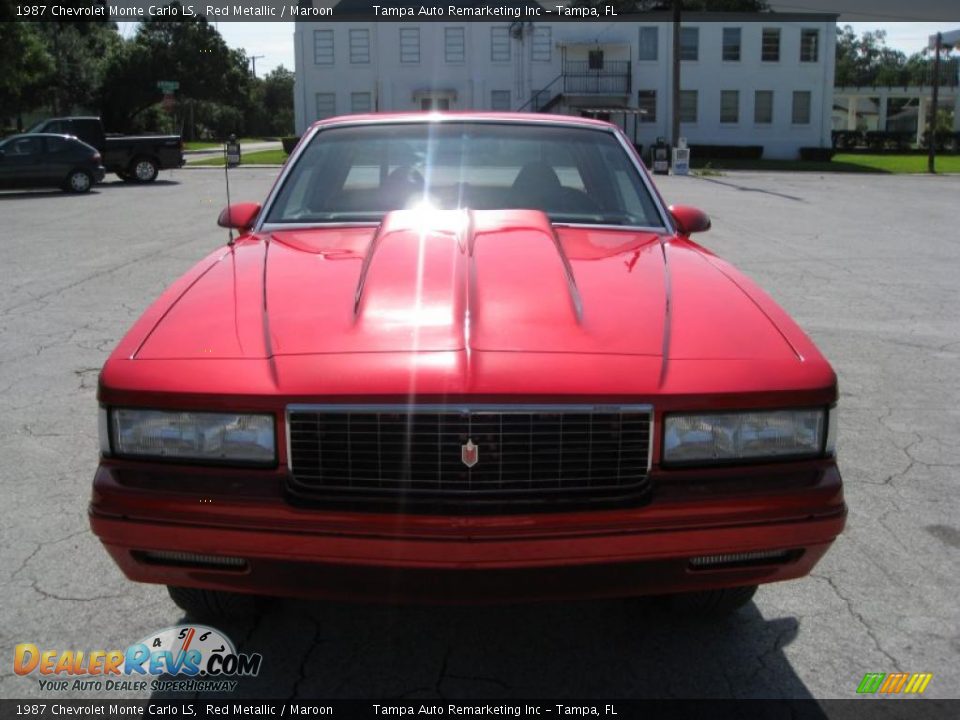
{"points": [[185, 658]]}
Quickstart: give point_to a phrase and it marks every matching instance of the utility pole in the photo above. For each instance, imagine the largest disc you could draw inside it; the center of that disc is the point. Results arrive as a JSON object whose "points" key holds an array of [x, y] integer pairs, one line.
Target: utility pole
{"points": [[932, 144], [253, 59], [675, 103]]}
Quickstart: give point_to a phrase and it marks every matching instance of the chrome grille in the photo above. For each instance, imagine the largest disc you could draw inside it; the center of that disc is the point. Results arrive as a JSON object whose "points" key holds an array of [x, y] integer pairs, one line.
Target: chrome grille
{"points": [[540, 454]]}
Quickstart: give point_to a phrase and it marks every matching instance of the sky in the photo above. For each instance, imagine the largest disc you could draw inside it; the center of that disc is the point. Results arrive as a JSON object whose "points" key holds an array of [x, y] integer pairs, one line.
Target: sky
{"points": [[274, 40]]}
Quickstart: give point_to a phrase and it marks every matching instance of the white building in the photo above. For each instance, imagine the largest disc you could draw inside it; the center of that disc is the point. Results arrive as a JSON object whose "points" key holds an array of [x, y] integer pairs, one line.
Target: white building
{"points": [[746, 79]]}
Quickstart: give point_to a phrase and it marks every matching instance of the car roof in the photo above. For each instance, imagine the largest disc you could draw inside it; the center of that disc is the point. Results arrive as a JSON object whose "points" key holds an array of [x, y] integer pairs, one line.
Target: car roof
{"points": [[433, 116], [62, 136]]}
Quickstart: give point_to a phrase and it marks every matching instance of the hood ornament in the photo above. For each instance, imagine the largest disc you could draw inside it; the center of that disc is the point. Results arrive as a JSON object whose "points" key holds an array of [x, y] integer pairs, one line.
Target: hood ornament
{"points": [[469, 453]]}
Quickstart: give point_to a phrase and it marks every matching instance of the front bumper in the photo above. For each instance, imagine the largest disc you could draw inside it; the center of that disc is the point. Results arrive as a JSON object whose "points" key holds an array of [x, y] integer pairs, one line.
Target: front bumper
{"points": [[293, 551]]}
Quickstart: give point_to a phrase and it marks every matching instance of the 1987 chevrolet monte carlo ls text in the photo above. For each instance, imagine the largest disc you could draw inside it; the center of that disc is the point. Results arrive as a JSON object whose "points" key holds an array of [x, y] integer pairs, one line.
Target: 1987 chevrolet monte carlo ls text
{"points": [[465, 358]]}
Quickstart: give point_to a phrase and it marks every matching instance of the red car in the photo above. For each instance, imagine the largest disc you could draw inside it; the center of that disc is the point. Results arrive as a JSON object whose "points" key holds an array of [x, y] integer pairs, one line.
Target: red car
{"points": [[465, 358]]}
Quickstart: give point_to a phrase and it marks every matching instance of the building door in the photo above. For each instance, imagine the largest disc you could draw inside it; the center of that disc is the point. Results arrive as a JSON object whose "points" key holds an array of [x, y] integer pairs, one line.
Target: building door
{"points": [[435, 103]]}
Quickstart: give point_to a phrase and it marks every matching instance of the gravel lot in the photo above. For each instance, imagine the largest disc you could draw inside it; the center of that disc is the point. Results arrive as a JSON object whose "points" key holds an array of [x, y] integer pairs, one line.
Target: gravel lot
{"points": [[868, 265]]}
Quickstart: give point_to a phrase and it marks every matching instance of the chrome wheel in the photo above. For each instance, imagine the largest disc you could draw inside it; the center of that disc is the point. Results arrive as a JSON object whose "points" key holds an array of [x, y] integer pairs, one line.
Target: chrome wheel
{"points": [[144, 170]]}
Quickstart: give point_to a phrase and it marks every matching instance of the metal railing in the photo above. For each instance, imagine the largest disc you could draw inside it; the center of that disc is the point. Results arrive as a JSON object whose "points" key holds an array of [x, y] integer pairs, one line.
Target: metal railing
{"points": [[611, 79]]}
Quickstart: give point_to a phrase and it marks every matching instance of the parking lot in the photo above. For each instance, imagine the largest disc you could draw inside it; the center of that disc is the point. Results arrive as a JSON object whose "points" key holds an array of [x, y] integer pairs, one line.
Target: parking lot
{"points": [[869, 267]]}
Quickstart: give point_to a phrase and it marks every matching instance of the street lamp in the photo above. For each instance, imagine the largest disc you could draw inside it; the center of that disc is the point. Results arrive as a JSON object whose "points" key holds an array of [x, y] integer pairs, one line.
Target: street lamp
{"points": [[937, 43]]}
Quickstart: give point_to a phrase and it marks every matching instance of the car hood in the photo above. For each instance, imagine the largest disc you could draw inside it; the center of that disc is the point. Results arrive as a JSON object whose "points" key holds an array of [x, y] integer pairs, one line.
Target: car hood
{"points": [[470, 281]]}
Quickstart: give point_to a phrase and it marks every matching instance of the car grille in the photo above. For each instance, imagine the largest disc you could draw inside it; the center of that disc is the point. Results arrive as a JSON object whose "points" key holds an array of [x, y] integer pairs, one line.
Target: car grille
{"points": [[541, 456]]}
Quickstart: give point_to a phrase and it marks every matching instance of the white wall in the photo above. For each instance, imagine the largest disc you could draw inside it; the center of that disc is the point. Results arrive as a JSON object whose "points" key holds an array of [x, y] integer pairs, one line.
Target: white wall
{"points": [[395, 86]]}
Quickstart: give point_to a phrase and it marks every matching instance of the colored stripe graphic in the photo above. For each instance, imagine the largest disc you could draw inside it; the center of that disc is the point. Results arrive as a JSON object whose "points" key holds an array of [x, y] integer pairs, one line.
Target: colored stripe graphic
{"points": [[871, 683], [918, 683], [894, 683]]}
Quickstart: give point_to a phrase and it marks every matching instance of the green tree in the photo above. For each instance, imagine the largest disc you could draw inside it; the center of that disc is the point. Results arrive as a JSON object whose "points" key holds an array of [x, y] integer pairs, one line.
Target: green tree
{"points": [[866, 60], [278, 100], [28, 68], [78, 50], [187, 50]]}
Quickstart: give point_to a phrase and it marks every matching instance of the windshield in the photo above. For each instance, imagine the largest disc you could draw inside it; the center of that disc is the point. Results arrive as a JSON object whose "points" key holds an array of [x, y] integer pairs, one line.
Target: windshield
{"points": [[359, 173]]}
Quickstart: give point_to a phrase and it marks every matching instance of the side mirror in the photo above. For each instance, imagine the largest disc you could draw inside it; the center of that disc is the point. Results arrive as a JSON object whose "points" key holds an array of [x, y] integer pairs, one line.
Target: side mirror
{"points": [[239, 216], [689, 220]]}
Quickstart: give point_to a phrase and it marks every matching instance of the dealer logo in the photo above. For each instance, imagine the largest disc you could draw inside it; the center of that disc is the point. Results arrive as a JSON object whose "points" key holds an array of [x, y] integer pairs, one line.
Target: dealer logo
{"points": [[183, 652]]}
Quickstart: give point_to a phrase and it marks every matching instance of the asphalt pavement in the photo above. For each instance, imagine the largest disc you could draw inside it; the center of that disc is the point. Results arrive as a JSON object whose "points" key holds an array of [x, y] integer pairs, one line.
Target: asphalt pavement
{"points": [[869, 267]]}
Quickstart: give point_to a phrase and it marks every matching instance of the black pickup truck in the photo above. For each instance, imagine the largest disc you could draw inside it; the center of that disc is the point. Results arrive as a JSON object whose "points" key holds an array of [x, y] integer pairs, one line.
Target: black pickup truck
{"points": [[135, 158]]}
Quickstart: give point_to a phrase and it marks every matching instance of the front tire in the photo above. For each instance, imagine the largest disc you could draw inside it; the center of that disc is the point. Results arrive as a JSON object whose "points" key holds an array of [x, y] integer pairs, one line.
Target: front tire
{"points": [[144, 170], [711, 603], [203, 604], [78, 181]]}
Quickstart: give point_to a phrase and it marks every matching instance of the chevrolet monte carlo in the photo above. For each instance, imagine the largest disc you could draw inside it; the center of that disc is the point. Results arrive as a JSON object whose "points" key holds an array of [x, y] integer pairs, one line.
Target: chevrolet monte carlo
{"points": [[465, 358]]}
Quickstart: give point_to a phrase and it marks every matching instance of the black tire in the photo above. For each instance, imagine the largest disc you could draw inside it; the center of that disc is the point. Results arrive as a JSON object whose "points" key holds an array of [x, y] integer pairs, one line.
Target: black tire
{"points": [[78, 181], [143, 169], [203, 604], [711, 603]]}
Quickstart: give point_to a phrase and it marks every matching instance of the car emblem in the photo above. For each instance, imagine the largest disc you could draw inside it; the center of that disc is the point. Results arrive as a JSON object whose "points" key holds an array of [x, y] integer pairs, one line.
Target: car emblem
{"points": [[469, 453]]}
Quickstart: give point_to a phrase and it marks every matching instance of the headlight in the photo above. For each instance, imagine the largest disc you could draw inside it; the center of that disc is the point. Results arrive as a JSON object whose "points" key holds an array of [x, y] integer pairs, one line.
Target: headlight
{"points": [[724, 437], [209, 437]]}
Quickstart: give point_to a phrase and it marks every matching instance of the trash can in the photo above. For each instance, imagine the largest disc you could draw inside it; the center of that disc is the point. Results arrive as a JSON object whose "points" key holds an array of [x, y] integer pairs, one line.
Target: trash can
{"points": [[661, 157]]}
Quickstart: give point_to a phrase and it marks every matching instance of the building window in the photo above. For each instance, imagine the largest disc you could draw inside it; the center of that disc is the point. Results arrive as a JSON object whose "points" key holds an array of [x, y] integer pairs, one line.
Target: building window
{"points": [[542, 48], [689, 43], [454, 44], [729, 106], [649, 43], [763, 107], [770, 45], [409, 46], [500, 44], [359, 47], [500, 100], [801, 107], [809, 44], [361, 102], [326, 105], [731, 44], [323, 47], [647, 105], [688, 106]]}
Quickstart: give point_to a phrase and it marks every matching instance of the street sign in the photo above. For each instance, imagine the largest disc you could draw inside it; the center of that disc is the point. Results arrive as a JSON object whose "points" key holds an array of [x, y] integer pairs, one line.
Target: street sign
{"points": [[168, 86]]}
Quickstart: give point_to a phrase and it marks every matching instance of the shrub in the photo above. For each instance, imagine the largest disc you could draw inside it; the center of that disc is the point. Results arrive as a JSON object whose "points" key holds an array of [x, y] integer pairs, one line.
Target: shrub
{"points": [[817, 154], [727, 152], [888, 140], [946, 141], [846, 138], [289, 143]]}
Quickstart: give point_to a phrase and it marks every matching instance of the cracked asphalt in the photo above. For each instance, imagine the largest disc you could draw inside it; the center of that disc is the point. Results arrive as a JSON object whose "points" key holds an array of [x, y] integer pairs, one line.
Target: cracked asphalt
{"points": [[868, 265]]}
